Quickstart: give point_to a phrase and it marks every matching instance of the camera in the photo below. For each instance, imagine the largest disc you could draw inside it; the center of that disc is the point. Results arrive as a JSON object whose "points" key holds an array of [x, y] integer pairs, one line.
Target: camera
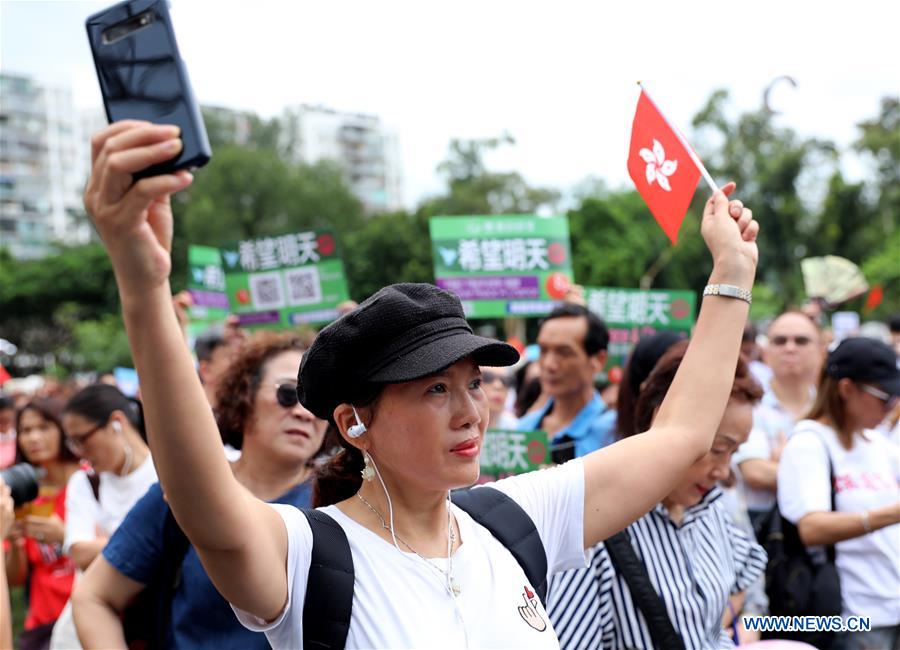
{"points": [[22, 480]]}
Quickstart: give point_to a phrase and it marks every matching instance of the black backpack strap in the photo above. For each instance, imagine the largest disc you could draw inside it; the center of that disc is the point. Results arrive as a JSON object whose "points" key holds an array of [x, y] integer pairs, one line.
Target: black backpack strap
{"points": [[630, 567], [94, 479], [511, 525], [830, 552], [329, 590]]}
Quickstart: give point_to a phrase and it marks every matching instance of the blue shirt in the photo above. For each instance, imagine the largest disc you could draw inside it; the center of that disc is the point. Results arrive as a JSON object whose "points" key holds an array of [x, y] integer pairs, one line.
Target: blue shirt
{"points": [[200, 617], [591, 429]]}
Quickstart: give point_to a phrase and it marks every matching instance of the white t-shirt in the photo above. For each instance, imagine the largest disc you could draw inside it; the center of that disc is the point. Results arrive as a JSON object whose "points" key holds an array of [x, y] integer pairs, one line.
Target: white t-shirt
{"points": [[866, 477], [770, 421], [401, 602], [85, 515]]}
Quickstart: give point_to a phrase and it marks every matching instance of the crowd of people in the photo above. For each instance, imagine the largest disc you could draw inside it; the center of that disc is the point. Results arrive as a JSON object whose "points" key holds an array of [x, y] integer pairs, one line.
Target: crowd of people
{"points": [[279, 490]]}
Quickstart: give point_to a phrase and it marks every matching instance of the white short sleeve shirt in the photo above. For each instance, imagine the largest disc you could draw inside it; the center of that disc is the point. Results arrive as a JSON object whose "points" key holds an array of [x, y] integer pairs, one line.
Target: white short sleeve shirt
{"points": [[867, 476], [86, 516], [401, 602]]}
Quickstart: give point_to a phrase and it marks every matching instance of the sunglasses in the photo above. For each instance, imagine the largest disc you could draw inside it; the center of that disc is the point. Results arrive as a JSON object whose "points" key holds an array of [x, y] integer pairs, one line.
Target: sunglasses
{"points": [[286, 394], [491, 377], [799, 341], [889, 400], [76, 443]]}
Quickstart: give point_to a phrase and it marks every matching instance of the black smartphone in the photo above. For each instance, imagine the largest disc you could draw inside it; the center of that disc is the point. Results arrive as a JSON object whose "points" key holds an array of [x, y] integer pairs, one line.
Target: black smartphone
{"points": [[142, 76]]}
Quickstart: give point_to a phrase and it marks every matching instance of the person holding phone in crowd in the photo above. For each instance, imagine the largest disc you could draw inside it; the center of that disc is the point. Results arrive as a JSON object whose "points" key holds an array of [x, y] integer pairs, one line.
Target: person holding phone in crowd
{"points": [[35, 553], [279, 439], [399, 377], [859, 385]]}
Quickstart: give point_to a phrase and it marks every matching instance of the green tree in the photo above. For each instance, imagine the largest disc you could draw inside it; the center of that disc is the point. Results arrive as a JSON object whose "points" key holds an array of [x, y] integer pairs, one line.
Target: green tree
{"points": [[472, 189], [880, 143], [767, 163], [388, 248]]}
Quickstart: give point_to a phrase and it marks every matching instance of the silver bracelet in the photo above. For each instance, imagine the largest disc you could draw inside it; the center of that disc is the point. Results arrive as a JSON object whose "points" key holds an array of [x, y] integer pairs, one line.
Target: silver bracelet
{"points": [[728, 291], [867, 526]]}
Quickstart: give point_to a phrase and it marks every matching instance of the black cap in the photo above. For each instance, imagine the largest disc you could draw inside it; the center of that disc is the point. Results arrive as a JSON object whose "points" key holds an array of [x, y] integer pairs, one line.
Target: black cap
{"points": [[865, 360], [401, 333]]}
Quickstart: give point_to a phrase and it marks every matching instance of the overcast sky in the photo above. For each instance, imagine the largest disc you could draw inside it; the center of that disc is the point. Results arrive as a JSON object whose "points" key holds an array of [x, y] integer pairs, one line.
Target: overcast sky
{"points": [[559, 76]]}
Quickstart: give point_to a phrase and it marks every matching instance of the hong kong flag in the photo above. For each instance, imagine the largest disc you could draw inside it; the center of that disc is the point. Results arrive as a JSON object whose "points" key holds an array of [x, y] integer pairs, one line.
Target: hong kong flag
{"points": [[661, 167]]}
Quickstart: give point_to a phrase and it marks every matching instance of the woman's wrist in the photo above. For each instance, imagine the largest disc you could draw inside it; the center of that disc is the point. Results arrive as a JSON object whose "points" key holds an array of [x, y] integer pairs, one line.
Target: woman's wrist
{"points": [[730, 272], [883, 517]]}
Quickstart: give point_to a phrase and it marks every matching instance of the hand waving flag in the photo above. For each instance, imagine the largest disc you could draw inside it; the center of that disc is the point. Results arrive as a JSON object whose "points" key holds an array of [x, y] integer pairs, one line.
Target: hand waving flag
{"points": [[664, 169]]}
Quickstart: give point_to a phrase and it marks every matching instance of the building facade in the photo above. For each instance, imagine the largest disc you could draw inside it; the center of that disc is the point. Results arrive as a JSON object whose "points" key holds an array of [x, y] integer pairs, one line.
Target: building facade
{"points": [[42, 168], [366, 151]]}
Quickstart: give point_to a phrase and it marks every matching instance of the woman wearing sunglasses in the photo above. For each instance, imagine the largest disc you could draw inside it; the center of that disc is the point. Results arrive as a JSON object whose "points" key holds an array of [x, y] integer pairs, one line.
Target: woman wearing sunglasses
{"points": [[35, 542], [105, 428], [858, 387], [279, 439], [496, 383]]}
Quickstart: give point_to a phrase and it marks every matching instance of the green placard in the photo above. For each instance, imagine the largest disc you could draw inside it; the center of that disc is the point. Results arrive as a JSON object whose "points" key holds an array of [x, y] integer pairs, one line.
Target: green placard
{"points": [[632, 313], [206, 284], [506, 452], [285, 281], [516, 265]]}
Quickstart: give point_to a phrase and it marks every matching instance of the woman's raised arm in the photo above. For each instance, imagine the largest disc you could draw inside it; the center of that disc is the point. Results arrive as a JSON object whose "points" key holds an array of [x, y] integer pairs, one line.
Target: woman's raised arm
{"points": [[625, 480], [241, 540]]}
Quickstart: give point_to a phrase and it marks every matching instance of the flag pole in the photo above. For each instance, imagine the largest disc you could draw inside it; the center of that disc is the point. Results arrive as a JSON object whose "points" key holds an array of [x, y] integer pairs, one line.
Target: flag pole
{"points": [[706, 175]]}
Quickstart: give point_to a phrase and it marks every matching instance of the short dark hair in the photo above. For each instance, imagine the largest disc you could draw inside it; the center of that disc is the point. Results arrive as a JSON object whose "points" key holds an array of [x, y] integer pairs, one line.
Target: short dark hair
{"points": [[7, 402], [597, 337], [894, 323], [207, 343]]}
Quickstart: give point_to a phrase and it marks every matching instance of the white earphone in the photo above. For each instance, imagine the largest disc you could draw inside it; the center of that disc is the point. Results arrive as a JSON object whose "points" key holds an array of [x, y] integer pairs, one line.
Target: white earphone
{"points": [[357, 429], [116, 427]]}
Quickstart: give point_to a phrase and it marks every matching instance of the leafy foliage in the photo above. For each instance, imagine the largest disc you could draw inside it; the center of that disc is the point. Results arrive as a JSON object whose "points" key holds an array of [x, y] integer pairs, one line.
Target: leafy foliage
{"points": [[65, 306]]}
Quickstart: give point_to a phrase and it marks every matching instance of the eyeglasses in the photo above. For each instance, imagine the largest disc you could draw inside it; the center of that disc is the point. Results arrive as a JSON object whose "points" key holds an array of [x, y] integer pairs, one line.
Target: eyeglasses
{"points": [[286, 394], [491, 377], [889, 400], [799, 341], [76, 443]]}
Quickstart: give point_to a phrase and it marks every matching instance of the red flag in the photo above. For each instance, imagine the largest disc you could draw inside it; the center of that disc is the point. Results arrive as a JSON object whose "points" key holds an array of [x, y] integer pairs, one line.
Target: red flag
{"points": [[4, 375], [875, 297], [661, 167]]}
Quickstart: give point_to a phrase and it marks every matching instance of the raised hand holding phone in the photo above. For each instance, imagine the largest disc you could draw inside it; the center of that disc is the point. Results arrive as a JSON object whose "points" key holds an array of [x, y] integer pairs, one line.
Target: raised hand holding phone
{"points": [[142, 77], [134, 219]]}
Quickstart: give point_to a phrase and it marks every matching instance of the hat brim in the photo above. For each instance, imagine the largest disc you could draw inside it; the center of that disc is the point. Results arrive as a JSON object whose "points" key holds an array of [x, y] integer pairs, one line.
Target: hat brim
{"points": [[441, 352]]}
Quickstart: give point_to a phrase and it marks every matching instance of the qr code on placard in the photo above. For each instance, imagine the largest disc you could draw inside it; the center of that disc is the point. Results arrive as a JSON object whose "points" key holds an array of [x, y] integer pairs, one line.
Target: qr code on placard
{"points": [[303, 285], [266, 290]]}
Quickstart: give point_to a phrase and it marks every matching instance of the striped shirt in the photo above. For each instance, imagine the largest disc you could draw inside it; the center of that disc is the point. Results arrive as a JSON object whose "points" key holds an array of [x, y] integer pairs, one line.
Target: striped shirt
{"points": [[694, 567]]}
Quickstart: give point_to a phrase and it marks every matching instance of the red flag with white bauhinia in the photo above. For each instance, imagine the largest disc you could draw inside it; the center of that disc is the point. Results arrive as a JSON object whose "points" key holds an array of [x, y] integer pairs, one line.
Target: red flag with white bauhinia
{"points": [[664, 169]]}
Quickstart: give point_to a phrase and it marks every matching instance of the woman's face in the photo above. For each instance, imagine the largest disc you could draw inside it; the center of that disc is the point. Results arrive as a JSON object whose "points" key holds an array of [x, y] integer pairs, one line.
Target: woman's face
{"points": [[428, 433], [734, 429], [865, 410], [290, 433], [97, 442], [38, 438], [495, 382]]}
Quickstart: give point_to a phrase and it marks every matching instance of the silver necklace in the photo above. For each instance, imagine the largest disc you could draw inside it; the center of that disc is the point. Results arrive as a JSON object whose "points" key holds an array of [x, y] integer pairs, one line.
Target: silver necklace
{"points": [[451, 585]]}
